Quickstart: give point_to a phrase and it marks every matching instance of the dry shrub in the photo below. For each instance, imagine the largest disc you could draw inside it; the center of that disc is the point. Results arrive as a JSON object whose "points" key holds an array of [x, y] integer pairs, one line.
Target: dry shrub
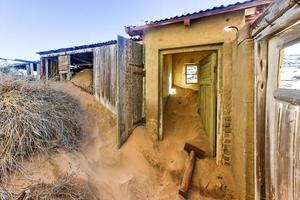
{"points": [[65, 188], [34, 118], [4, 194]]}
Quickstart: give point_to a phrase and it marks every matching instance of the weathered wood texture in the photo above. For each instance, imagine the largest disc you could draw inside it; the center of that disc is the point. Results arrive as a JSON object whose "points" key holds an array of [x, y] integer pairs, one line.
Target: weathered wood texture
{"points": [[38, 69], [207, 97], [53, 69], [105, 76], [63, 63], [273, 13], [285, 168], [261, 51], [275, 120], [49, 68], [187, 176], [130, 87]]}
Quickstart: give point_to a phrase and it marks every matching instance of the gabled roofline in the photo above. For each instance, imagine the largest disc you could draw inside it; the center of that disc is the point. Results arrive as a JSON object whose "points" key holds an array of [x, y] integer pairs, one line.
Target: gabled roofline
{"points": [[139, 30], [76, 48]]}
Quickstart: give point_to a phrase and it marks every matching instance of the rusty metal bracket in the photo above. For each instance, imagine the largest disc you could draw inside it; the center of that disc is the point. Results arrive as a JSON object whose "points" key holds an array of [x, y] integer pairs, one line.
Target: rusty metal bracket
{"points": [[143, 73], [136, 65]]}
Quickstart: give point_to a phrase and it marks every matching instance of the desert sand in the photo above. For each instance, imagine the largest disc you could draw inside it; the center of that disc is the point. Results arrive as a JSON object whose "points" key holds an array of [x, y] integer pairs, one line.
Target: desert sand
{"points": [[141, 169]]}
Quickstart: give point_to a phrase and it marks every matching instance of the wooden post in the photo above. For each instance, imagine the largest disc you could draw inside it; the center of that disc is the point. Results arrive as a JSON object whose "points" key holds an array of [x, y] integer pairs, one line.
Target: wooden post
{"points": [[31, 68], [47, 69], [38, 70], [27, 70]]}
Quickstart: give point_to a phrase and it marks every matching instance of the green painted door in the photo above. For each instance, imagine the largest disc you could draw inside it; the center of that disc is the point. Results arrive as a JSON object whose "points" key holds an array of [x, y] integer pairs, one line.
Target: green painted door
{"points": [[207, 97]]}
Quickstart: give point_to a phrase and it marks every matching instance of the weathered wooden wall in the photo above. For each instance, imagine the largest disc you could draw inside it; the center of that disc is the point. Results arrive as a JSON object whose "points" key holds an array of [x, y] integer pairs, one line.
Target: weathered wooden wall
{"points": [[276, 117], [63, 63], [285, 168], [130, 87], [53, 68], [105, 76]]}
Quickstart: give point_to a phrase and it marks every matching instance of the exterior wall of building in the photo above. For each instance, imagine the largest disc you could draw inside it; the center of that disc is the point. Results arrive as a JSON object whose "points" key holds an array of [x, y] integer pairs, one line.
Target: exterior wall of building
{"points": [[206, 31], [242, 134], [202, 32]]}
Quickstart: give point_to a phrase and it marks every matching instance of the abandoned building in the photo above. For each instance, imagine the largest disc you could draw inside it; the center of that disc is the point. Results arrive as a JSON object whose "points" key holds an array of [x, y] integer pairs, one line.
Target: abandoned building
{"points": [[234, 58]]}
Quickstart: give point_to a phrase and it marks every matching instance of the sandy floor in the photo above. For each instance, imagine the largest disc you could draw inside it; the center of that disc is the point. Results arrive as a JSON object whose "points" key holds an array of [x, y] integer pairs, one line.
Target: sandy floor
{"points": [[137, 170]]}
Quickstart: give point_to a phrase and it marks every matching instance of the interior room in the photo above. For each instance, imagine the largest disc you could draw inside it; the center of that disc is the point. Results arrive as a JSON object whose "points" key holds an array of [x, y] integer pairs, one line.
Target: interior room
{"points": [[189, 97]]}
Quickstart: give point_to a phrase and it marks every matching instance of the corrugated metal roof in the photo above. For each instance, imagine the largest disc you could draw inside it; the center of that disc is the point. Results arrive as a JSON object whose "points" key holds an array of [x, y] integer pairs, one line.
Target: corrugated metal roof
{"points": [[77, 47], [201, 11], [136, 30]]}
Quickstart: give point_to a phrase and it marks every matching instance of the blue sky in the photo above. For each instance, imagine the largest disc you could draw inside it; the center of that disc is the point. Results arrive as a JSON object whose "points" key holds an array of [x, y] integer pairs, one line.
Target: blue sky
{"points": [[28, 26]]}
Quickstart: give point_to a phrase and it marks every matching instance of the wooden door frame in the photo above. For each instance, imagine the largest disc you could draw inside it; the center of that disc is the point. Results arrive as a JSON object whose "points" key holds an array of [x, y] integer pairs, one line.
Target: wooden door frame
{"points": [[262, 141], [218, 48]]}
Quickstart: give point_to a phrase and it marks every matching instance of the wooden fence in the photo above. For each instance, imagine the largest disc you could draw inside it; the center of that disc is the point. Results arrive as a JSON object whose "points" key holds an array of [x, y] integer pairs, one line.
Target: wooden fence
{"points": [[105, 76]]}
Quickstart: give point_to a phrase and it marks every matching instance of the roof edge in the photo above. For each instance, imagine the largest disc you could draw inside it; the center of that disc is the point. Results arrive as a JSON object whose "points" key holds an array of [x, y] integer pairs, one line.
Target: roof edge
{"points": [[139, 30], [75, 48]]}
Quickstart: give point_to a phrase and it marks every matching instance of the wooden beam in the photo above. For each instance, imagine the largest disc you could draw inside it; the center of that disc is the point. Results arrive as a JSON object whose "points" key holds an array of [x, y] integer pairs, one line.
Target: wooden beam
{"points": [[276, 19], [81, 60], [69, 52], [290, 96], [38, 69], [47, 69], [187, 22]]}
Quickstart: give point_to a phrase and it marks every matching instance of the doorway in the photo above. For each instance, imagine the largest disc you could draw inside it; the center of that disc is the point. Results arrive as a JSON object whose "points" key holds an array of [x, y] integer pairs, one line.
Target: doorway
{"points": [[188, 95]]}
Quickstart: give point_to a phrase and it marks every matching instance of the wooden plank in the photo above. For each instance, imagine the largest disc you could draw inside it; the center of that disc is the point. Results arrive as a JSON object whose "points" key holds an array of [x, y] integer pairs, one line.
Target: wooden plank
{"points": [[261, 51], [130, 87], [63, 63], [287, 95], [38, 70], [207, 97], [297, 156], [275, 11], [47, 69], [105, 76], [276, 23]]}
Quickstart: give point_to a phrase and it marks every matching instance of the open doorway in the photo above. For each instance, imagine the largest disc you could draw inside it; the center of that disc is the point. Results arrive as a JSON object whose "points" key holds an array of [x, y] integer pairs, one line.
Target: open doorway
{"points": [[81, 68], [189, 81]]}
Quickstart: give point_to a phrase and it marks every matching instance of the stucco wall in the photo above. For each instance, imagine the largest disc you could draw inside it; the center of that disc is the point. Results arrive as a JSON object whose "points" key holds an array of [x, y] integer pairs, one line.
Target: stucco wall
{"points": [[179, 62], [242, 116], [206, 31], [201, 32], [168, 76]]}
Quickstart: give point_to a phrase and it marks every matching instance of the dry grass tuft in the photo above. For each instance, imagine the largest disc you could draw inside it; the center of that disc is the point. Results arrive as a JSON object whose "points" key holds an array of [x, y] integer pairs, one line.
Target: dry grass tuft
{"points": [[34, 119], [65, 188], [5, 195]]}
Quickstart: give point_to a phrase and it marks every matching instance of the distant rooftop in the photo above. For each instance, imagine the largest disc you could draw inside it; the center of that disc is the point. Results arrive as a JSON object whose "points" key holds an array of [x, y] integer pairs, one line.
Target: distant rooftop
{"points": [[75, 48], [138, 30]]}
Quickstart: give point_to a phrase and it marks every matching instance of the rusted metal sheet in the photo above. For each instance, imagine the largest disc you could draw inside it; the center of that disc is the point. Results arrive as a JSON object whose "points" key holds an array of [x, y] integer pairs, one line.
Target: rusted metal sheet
{"points": [[130, 87], [105, 76]]}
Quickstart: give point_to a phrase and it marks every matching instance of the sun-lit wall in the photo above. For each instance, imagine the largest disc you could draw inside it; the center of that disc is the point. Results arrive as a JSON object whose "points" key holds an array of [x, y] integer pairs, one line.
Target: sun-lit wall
{"points": [[179, 62]]}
